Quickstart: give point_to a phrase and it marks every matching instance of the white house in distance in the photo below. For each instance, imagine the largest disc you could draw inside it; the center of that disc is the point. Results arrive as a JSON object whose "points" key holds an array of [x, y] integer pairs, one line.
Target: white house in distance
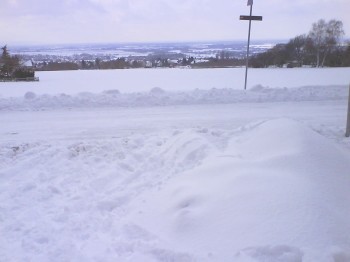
{"points": [[29, 64]]}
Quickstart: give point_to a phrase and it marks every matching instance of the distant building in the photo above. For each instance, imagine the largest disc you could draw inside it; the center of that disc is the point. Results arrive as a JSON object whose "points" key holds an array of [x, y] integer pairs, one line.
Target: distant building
{"points": [[148, 64], [29, 65]]}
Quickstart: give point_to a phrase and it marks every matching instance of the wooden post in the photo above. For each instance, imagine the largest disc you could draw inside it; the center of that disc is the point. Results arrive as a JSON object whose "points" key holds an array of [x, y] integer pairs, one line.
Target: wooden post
{"points": [[347, 134]]}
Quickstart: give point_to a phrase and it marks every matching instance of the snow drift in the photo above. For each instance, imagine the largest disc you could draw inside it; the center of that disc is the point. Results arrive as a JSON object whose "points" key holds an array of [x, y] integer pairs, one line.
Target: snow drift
{"points": [[159, 97], [270, 191], [279, 192]]}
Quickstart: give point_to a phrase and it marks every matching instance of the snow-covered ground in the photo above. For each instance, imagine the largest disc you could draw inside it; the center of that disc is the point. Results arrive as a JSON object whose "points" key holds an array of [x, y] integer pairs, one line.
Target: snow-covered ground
{"points": [[93, 172], [142, 80]]}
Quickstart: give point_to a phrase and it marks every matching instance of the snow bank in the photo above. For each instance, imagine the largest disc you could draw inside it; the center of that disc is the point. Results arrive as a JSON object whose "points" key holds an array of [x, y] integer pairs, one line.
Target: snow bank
{"points": [[159, 97], [269, 191], [279, 192]]}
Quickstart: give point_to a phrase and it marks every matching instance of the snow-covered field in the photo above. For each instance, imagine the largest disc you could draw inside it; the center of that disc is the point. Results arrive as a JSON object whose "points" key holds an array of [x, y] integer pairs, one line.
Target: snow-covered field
{"points": [[175, 165], [142, 80]]}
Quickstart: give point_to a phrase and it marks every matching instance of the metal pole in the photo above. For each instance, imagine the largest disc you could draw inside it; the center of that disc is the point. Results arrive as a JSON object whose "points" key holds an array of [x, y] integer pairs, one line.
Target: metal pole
{"points": [[347, 134], [247, 62]]}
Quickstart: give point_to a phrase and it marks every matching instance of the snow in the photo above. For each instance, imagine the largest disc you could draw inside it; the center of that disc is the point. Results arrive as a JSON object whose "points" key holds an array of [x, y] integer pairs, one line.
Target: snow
{"points": [[143, 80], [166, 174], [159, 97], [278, 183]]}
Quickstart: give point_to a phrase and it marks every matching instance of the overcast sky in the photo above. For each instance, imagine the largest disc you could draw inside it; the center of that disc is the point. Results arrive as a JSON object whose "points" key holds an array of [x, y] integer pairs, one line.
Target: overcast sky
{"points": [[109, 21]]}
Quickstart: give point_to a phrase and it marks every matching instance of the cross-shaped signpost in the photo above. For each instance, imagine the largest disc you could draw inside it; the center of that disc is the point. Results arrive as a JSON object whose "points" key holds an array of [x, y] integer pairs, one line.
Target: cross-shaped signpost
{"points": [[250, 18]]}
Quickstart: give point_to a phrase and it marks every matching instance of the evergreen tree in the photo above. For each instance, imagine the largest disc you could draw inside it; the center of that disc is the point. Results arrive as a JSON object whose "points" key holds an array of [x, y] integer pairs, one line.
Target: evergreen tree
{"points": [[9, 63]]}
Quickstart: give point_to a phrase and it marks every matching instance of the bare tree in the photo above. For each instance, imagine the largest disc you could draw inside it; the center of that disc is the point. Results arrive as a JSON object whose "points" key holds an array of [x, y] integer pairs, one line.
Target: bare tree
{"points": [[325, 38], [298, 48]]}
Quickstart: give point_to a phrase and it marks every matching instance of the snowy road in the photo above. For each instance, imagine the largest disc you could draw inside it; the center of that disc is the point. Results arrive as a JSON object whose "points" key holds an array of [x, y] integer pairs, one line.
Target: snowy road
{"points": [[326, 117]]}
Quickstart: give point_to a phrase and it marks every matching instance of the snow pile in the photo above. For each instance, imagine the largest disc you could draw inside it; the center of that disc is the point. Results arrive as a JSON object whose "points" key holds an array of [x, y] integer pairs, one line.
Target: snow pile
{"points": [[160, 97], [279, 192], [269, 191]]}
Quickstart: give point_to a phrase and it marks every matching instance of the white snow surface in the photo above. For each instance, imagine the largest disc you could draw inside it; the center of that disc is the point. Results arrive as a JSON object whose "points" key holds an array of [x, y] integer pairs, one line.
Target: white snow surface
{"points": [[159, 174], [143, 80]]}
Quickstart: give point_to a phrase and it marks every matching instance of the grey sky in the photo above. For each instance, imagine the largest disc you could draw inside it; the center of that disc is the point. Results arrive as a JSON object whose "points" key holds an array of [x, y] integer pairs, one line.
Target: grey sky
{"points": [[87, 21]]}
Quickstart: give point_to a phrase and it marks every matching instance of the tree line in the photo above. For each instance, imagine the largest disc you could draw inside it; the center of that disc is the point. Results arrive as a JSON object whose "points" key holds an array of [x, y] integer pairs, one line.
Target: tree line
{"points": [[322, 46]]}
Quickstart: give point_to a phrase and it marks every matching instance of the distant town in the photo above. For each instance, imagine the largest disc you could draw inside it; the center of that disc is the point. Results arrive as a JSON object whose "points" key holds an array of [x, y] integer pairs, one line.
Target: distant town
{"points": [[145, 55]]}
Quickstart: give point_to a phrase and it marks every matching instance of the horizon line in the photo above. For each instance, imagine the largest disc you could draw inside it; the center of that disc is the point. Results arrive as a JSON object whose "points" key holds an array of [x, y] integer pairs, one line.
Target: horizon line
{"points": [[140, 42]]}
